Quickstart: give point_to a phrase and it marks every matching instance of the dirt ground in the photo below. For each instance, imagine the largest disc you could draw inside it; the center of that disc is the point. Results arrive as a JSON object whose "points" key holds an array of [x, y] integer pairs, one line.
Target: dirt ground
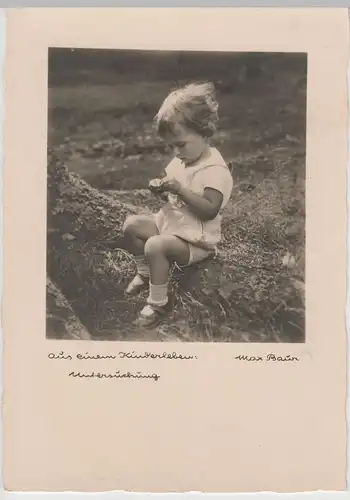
{"points": [[101, 107]]}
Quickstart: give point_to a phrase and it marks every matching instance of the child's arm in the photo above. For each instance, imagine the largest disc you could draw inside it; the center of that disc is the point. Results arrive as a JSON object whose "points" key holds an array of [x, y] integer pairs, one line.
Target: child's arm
{"points": [[205, 207]]}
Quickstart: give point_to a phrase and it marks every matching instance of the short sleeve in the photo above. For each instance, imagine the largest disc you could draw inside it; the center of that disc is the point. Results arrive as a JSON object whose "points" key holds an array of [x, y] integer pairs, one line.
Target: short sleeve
{"points": [[171, 167], [217, 177]]}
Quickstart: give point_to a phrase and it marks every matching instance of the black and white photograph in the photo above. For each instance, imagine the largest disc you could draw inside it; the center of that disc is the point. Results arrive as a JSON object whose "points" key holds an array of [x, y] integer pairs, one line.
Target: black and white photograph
{"points": [[176, 196], [174, 310]]}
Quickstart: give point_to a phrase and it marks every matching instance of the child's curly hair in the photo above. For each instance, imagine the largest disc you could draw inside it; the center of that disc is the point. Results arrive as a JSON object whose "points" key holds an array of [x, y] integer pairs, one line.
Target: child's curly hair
{"points": [[194, 106]]}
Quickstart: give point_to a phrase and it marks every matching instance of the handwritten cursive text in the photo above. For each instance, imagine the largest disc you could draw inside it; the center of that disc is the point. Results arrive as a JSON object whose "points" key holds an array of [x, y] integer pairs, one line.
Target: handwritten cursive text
{"points": [[117, 374], [96, 356], [267, 357], [121, 355], [151, 355], [60, 355]]}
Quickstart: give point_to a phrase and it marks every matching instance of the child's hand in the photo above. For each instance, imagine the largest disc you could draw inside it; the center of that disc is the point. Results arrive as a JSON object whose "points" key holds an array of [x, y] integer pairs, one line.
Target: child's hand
{"points": [[170, 185], [163, 196]]}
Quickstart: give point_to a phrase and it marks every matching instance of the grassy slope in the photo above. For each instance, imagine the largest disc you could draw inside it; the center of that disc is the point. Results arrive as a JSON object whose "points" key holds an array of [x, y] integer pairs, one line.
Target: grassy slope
{"points": [[108, 129]]}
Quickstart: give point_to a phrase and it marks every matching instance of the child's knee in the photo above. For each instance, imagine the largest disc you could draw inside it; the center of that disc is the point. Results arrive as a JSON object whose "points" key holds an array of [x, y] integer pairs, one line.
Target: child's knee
{"points": [[131, 225], [154, 246]]}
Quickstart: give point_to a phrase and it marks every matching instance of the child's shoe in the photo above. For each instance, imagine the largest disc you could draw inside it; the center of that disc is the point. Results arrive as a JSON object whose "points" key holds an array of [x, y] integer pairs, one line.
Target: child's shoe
{"points": [[137, 285], [151, 315]]}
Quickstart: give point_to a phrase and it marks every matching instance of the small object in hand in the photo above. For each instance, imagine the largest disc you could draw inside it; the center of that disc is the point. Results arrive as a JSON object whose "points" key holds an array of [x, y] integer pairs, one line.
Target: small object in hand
{"points": [[154, 185]]}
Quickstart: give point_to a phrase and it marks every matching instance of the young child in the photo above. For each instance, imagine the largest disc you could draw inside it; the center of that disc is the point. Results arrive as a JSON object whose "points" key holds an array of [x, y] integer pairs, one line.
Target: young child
{"points": [[198, 184]]}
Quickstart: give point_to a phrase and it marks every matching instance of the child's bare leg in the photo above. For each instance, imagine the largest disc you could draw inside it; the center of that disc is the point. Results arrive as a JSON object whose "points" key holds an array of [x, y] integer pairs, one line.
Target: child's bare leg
{"points": [[136, 230], [161, 251]]}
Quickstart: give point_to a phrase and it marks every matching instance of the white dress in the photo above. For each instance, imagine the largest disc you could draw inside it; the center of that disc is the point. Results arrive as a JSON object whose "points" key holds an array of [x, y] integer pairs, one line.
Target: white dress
{"points": [[176, 218]]}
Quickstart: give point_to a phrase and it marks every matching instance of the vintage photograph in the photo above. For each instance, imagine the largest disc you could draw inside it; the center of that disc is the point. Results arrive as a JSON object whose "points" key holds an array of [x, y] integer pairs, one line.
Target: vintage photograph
{"points": [[176, 196]]}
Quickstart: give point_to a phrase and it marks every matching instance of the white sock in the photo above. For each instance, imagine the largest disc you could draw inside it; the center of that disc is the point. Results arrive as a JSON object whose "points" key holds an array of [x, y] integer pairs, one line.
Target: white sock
{"points": [[142, 266], [158, 294]]}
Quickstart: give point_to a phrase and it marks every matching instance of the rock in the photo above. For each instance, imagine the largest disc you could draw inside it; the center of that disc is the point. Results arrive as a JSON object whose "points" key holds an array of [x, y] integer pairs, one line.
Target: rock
{"points": [[61, 321]]}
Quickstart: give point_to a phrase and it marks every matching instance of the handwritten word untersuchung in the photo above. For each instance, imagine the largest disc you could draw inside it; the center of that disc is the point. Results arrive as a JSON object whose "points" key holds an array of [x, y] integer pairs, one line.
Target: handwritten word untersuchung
{"points": [[268, 357], [122, 355], [116, 375]]}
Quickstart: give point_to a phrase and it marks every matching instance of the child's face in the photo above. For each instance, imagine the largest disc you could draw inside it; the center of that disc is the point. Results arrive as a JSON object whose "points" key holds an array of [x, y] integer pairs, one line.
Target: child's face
{"points": [[186, 144]]}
